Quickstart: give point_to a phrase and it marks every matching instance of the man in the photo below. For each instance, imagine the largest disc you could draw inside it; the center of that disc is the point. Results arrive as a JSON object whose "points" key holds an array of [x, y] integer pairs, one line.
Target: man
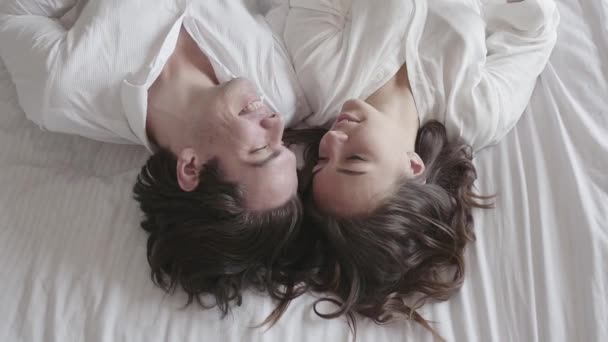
{"points": [[219, 192]]}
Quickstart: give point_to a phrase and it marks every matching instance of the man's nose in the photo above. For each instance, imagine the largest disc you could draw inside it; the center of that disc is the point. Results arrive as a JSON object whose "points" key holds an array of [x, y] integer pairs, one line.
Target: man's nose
{"points": [[271, 120], [273, 127]]}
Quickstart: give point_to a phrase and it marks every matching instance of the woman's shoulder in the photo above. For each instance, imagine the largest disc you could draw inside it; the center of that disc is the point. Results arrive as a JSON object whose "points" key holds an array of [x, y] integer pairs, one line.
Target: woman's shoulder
{"points": [[340, 48]]}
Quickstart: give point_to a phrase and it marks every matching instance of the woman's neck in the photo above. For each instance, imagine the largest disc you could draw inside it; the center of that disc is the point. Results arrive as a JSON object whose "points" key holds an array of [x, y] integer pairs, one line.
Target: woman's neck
{"points": [[395, 100]]}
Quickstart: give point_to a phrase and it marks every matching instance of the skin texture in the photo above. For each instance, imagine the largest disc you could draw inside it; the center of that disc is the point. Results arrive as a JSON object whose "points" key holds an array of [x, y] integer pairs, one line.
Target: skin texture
{"points": [[198, 119], [368, 149]]}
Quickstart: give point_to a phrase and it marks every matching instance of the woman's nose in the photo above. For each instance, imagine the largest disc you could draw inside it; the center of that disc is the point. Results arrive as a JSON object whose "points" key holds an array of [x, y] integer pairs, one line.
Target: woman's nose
{"points": [[337, 137], [332, 142]]}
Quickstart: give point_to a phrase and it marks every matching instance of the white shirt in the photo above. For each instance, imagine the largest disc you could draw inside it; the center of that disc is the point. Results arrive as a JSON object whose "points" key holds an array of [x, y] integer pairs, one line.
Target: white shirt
{"points": [[92, 79], [471, 66]]}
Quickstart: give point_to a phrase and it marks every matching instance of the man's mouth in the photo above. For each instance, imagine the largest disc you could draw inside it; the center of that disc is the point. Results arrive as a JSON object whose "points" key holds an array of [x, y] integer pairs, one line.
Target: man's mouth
{"points": [[252, 107]]}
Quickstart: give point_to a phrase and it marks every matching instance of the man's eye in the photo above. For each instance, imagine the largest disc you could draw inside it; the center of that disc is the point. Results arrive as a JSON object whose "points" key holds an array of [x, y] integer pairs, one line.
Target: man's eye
{"points": [[259, 149], [355, 157]]}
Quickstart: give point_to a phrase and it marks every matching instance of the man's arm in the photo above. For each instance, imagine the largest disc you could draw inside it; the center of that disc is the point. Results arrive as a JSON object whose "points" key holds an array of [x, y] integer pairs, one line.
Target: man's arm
{"points": [[43, 8], [30, 38]]}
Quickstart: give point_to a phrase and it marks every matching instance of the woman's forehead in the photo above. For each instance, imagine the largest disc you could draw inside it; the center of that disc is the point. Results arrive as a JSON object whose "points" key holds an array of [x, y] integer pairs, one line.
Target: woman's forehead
{"points": [[347, 195]]}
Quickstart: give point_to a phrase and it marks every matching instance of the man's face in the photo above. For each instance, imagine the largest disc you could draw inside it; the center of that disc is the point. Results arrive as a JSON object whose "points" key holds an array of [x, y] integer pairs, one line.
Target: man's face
{"points": [[238, 129]]}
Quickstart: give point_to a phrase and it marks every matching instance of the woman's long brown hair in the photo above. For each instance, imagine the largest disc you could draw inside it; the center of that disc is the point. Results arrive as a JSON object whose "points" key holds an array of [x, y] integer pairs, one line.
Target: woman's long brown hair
{"points": [[387, 264]]}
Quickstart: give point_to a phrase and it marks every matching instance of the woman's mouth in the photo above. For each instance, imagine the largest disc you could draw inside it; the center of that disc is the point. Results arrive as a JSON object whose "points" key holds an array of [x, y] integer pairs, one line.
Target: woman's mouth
{"points": [[346, 117]]}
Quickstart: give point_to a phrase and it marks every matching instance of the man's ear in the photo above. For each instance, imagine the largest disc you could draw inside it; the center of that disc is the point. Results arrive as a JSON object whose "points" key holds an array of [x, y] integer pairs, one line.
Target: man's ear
{"points": [[416, 164], [189, 165]]}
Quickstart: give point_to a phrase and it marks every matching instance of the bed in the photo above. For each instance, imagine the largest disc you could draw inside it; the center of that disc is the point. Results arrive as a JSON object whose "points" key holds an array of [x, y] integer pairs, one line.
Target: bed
{"points": [[72, 255]]}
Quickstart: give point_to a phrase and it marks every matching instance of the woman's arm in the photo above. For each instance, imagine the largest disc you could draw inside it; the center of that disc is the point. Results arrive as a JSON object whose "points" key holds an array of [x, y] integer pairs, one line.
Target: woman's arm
{"points": [[488, 84], [520, 38]]}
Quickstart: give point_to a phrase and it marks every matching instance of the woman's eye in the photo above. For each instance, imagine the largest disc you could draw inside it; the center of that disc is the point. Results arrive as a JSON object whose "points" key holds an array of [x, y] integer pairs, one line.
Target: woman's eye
{"points": [[316, 168], [356, 157], [320, 162]]}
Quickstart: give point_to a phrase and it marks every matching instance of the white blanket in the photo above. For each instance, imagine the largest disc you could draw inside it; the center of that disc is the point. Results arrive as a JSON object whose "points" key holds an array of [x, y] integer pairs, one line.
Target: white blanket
{"points": [[72, 256]]}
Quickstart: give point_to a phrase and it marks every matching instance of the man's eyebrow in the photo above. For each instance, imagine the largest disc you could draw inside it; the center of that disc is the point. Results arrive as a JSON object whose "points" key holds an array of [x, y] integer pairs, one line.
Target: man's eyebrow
{"points": [[267, 160]]}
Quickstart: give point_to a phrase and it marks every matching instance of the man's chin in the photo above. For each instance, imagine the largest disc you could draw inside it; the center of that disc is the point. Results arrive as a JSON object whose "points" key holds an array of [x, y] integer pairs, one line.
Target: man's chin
{"points": [[267, 198]]}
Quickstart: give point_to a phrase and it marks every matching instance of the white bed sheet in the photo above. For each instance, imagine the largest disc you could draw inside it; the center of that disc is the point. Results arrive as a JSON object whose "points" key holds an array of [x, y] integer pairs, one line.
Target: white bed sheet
{"points": [[72, 256]]}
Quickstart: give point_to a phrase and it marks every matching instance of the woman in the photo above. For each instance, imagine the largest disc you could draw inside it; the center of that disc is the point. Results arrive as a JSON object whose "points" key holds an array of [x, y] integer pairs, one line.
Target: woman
{"points": [[406, 91]]}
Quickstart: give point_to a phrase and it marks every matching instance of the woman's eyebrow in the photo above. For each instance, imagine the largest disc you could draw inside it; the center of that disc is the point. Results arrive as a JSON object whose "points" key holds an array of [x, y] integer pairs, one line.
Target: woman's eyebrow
{"points": [[351, 172], [344, 171]]}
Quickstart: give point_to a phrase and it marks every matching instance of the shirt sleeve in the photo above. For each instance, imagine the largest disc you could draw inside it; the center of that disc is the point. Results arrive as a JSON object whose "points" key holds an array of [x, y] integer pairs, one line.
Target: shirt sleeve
{"points": [[30, 45], [520, 36], [34, 45], [43, 8]]}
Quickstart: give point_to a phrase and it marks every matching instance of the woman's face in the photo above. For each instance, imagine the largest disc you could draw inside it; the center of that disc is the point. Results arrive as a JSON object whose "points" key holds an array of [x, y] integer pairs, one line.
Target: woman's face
{"points": [[360, 159]]}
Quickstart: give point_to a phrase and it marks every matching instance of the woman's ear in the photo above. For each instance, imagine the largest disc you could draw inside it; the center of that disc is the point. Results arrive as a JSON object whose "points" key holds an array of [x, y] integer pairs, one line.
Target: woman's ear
{"points": [[416, 164], [189, 165]]}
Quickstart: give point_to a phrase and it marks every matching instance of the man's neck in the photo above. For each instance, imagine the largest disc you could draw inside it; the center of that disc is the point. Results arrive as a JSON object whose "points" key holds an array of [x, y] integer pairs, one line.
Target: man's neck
{"points": [[188, 73], [188, 58]]}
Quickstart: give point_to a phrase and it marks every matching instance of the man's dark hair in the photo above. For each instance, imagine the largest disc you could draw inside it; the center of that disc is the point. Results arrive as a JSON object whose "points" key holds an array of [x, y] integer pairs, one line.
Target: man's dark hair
{"points": [[207, 242]]}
